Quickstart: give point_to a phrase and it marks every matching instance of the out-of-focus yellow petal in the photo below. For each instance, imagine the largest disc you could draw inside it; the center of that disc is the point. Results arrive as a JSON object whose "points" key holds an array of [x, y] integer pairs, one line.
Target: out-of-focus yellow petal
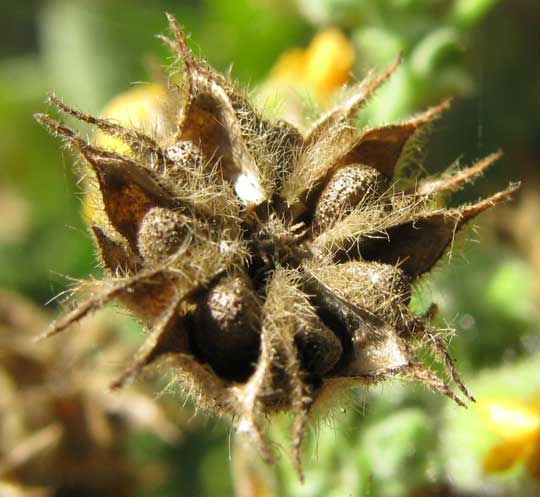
{"points": [[532, 460], [289, 68], [329, 61], [323, 67], [518, 423], [506, 454], [510, 418], [140, 108]]}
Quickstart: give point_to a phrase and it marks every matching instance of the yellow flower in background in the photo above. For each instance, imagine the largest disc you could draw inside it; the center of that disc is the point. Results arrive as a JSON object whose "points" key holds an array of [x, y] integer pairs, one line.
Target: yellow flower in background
{"points": [[323, 67], [140, 108], [517, 423]]}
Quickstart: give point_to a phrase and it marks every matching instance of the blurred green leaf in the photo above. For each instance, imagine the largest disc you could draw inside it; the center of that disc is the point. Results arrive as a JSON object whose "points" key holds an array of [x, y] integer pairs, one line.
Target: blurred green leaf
{"points": [[466, 13]]}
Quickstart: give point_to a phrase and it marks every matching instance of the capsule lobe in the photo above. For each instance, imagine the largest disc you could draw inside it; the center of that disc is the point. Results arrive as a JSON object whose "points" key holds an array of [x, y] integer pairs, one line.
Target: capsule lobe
{"points": [[347, 188], [319, 348], [377, 287], [226, 331], [161, 234]]}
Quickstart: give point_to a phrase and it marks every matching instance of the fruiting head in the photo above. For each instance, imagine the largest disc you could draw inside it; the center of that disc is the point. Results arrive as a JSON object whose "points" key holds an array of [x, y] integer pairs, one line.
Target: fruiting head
{"points": [[270, 265]]}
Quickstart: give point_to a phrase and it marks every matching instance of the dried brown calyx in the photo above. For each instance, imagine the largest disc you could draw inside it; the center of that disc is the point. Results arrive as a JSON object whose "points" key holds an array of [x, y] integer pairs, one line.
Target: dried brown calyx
{"points": [[270, 266], [58, 430]]}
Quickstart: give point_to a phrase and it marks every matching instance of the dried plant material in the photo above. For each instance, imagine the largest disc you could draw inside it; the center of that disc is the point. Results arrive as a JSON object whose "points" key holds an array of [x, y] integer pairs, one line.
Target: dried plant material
{"points": [[59, 427], [8, 489], [272, 268], [251, 477]]}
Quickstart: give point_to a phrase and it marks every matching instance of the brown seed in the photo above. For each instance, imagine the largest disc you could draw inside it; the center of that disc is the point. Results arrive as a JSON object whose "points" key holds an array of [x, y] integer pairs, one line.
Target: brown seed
{"points": [[161, 233], [227, 325], [348, 187]]}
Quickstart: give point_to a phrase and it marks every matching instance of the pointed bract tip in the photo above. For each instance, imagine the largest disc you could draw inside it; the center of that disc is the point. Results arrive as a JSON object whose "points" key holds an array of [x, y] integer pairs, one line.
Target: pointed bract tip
{"points": [[458, 179], [54, 100], [181, 45], [48, 333], [429, 115], [437, 110], [382, 77], [391, 69], [176, 29], [40, 118], [481, 165], [298, 467], [170, 43], [57, 102], [495, 155], [59, 129], [474, 210], [171, 19], [41, 337], [124, 379], [398, 59]]}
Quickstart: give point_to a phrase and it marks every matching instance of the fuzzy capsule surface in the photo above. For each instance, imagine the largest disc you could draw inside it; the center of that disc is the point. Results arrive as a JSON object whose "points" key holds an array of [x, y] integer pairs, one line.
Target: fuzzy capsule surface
{"points": [[347, 188]]}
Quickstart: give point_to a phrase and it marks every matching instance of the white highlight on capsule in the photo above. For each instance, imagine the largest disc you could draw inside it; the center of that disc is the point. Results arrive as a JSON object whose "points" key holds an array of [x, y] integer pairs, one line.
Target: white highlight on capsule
{"points": [[248, 189]]}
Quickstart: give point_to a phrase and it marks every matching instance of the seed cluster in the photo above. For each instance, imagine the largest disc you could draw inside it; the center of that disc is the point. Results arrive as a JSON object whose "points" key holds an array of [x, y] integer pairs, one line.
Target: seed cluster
{"points": [[269, 266]]}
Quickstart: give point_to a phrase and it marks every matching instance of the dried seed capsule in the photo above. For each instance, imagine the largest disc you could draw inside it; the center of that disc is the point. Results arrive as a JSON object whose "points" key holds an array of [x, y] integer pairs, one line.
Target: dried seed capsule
{"points": [[348, 187], [161, 233], [227, 326], [285, 183], [319, 348]]}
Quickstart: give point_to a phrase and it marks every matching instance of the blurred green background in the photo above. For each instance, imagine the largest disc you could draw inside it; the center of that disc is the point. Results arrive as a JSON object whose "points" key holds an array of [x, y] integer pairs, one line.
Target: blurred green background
{"points": [[404, 442]]}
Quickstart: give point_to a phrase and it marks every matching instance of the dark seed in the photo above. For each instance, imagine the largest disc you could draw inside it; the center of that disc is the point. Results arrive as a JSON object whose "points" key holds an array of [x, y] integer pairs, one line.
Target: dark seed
{"points": [[319, 348], [348, 187], [227, 325], [161, 233]]}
